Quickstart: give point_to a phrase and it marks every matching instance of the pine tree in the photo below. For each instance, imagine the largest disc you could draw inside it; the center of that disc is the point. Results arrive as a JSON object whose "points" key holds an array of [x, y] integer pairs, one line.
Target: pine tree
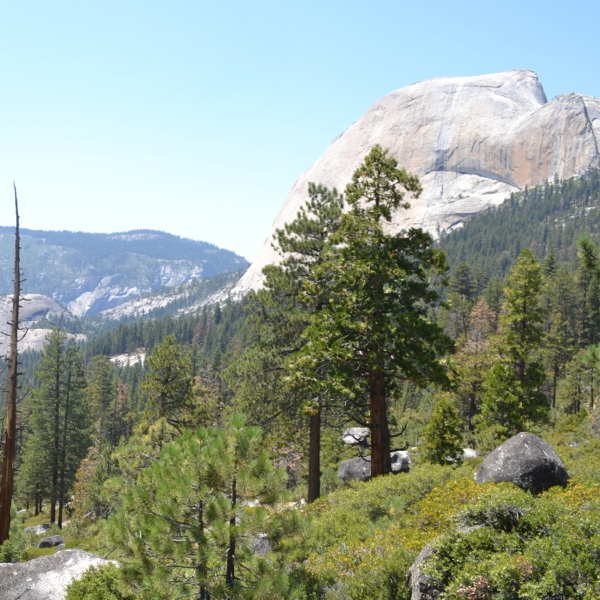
{"points": [[514, 387], [183, 528], [442, 440], [59, 434], [281, 314], [471, 363], [374, 330], [169, 385], [10, 417]]}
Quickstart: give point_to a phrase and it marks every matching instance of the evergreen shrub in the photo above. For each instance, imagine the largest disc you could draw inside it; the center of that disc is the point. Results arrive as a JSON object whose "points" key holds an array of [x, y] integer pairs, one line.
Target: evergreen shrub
{"points": [[98, 583]]}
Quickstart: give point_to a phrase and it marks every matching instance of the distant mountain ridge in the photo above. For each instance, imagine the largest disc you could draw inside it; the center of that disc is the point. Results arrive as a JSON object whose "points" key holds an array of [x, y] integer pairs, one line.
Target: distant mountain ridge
{"points": [[92, 272]]}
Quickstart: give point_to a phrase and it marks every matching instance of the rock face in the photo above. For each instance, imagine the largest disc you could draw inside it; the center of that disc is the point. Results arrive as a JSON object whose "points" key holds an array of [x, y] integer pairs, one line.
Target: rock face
{"points": [[45, 578], [34, 308], [525, 460], [37, 529], [93, 272], [471, 140], [360, 468]]}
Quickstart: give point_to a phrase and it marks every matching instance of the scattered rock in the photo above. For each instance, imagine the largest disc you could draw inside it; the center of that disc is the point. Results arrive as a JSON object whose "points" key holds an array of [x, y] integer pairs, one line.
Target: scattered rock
{"points": [[47, 577], [356, 436], [400, 461], [261, 545], [37, 529], [50, 542], [525, 460], [360, 468]]}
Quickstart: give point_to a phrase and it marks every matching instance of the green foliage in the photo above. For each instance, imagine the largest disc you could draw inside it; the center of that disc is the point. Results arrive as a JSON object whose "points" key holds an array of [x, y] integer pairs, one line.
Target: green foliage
{"points": [[374, 329], [183, 526], [549, 216], [442, 437], [514, 394], [98, 583], [360, 542], [32, 553], [59, 425], [170, 389], [13, 548], [523, 547]]}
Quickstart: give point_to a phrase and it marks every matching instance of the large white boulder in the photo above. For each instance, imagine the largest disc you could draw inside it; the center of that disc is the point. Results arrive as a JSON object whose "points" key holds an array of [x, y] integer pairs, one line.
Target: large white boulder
{"points": [[47, 577]]}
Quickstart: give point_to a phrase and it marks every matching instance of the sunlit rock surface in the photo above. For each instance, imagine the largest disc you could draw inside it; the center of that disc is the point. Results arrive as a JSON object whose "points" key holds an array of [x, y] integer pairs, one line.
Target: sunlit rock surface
{"points": [[471, 140]]}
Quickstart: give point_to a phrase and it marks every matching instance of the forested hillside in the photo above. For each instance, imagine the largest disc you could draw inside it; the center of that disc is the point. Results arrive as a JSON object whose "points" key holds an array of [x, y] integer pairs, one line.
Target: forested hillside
{"points": [[209, 468], [548, 218]]}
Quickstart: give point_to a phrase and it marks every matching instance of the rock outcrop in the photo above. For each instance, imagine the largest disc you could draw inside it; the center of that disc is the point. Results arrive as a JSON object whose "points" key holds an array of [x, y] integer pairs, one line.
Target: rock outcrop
{"points": [[471, 140], [34, 308], [421, 586], [354, 436], [45, 578], [525, 460]]}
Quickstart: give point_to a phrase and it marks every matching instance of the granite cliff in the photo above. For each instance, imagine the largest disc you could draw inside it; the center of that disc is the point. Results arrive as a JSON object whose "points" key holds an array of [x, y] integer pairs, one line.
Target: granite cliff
{"points": [[471, 140]]}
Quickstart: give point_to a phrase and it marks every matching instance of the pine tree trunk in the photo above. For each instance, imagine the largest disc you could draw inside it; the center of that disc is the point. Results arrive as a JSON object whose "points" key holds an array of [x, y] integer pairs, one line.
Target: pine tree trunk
{"points": [[314, 456], [381, 463], [63, 458], [56, 443], [204, 595], [230, 573], [10, 434]]}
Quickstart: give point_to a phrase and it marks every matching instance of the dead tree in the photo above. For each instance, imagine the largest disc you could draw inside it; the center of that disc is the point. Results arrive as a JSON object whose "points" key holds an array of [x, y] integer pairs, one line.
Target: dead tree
{"points": [[10, 431]]}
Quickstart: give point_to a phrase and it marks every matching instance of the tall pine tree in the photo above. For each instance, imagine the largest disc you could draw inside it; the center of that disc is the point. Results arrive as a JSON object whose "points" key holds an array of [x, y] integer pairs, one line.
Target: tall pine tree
{"points": [[375, 331], [59, 433], [514, 394], [281, 314]]}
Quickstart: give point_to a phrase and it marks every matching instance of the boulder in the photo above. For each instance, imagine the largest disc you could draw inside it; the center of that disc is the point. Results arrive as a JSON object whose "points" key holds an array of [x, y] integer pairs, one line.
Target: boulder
{"points": [[360, 468], [422, 588], [261, 544], [50, 542], [37, 529], [356, 436], [47, 577], [525, 460]]}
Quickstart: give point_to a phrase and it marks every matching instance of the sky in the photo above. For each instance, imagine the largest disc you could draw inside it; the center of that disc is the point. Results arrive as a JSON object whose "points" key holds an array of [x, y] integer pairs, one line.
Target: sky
{"points": [[196, 118]]}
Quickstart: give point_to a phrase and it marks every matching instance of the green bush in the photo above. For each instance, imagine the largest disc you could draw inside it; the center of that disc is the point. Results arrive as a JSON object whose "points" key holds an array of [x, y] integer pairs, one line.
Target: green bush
{"points": [[521, 547], [32, 553], [98, 583], [12, 549]]}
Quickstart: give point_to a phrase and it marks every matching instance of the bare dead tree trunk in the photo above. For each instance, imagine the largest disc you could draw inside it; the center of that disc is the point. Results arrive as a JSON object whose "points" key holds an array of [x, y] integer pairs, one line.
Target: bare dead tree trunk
{"points": [[10, 434]]}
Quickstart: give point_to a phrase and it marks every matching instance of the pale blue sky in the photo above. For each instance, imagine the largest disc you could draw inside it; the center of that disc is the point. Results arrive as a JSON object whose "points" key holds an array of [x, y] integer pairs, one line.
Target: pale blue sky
{"points": [[196, 119]]}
